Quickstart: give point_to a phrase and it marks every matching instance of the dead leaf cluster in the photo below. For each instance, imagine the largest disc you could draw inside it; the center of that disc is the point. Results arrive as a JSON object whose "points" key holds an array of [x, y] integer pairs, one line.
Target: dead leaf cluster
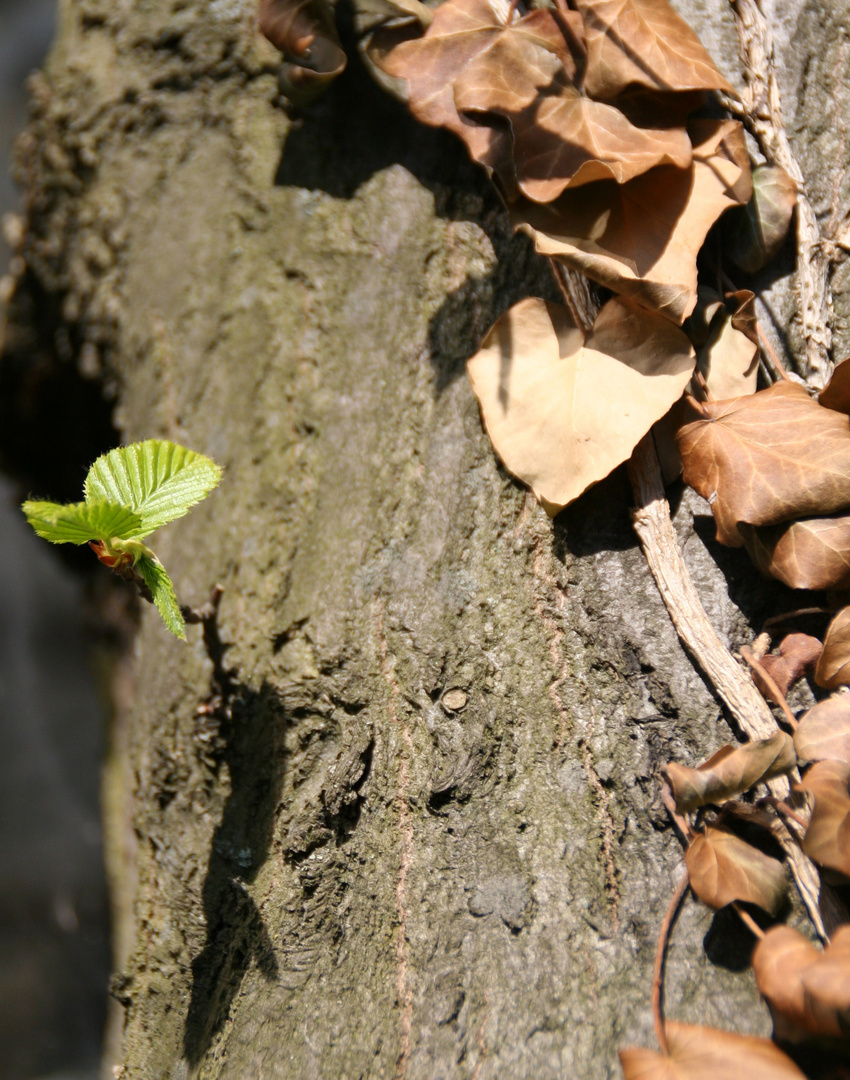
{"points": [[580, 114]]}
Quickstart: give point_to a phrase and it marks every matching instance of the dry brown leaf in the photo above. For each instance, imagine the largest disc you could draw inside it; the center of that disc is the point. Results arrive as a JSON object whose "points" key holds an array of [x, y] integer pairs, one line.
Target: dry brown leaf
{"points": [[305, 32], [538, 383], [833, 668], [827, 983], [700, 1053], [728, 356], [463, 33], [824, 732], [644, 43], [754, 234], [641, 238], [827, 839], [797, 655], [836, 393], [781, 961], [723, 868], [766, 458], [813, 553], [731, 771]]}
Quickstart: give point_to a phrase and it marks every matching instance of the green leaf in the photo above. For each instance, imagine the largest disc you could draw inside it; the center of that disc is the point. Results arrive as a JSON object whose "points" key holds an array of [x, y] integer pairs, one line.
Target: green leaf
{"points": [[77, 523], [157, 580], [159, 480]]}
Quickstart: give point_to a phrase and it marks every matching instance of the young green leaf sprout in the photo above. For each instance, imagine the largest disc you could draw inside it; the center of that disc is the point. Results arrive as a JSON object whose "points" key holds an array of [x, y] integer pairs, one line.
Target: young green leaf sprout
{"points": [[130, 492]]}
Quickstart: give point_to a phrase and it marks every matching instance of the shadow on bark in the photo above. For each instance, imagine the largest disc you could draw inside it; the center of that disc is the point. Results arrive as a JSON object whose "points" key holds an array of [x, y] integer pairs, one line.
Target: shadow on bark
{"points": [[249, 742]]}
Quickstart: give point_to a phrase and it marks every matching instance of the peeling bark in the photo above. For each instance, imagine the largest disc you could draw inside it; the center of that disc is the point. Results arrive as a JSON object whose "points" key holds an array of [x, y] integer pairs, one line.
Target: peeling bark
{"points": [[335, 871]]}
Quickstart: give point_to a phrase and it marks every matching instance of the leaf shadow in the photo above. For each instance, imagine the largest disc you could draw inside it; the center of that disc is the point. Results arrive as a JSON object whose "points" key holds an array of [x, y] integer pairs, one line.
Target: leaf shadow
{"points": [[249, 742]]}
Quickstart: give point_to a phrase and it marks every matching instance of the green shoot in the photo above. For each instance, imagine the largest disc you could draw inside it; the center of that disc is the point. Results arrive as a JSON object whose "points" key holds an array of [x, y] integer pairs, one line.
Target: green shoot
{"points": [[130, 492]]}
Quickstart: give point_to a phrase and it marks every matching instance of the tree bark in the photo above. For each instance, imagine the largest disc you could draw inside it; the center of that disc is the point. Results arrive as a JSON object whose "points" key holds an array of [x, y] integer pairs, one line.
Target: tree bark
{"points": [[325, 864]]}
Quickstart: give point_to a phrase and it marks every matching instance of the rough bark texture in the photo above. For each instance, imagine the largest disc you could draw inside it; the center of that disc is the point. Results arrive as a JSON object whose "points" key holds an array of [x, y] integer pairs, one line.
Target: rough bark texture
{"points": [[332, 872]]}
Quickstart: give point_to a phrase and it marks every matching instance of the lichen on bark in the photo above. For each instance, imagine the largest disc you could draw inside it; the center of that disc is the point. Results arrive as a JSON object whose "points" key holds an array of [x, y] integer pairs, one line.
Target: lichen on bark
{"points": [[335, 873]]}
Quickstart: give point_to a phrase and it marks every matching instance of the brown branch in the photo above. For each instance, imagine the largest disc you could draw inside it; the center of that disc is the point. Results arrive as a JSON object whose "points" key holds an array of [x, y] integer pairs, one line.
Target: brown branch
{"points": [[762, 114], [651, 521], [660, 955]]}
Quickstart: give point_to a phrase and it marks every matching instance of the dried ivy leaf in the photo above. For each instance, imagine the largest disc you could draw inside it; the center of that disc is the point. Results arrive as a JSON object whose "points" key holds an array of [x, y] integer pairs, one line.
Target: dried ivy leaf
{"points": [[833, 668], [754, 234], [537, 381], [701, 1053], [723, 868], [766, 458], [781, 960], [644, 43], [827, 983], [731, 771], [728, 354], [565, 139], [824, 732], [305, 32], [827, 838], [813, 553], [466, 33], [797, 654], [836, 394], [641, 238]]}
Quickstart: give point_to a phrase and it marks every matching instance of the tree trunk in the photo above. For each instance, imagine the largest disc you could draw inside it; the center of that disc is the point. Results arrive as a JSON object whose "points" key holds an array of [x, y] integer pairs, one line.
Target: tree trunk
{"points": [[408, 823]]}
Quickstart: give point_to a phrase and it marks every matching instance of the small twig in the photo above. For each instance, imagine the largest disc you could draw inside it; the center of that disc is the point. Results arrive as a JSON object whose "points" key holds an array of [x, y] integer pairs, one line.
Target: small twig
{"points": [[788, 616], [660, 955], [651, 521], [682, 824], [699, 379], [782, 807], [770, 683], [762, 114], [771, 352], [574, 292], [748, 921]]}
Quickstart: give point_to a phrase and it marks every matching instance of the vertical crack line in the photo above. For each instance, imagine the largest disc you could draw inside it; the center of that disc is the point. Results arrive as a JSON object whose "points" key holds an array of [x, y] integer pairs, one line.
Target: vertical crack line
{"points": [[554, 634], [606, 821], [405, 828]]}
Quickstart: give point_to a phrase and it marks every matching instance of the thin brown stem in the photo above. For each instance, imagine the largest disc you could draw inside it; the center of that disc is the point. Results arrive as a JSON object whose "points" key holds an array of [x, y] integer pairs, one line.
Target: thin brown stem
{"points": [[682, 824], [782, 807], [787, 616], [699, 379], [748, 921], [511, 11], [771, 684], [771, 352], [660, 955]]}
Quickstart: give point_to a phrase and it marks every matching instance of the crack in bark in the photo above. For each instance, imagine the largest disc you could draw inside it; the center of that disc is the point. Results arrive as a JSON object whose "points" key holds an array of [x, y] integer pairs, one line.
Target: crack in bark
{"points": [[405, 827]]}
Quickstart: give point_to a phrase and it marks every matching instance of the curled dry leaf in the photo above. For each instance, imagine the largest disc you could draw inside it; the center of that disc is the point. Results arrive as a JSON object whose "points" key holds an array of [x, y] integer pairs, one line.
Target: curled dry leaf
{"points": [[731, 771], [833, 669], [781, 962], [723, 868], [813, 553], [827, 839], [724, 331], [824, 732], [537, 380], [468, 40], [754, 234], [836, 393], [305, 32], [828, 981], [643, 43], [797, 655], [641, 238], [566, 140], [766, 458], [701, 1053]]}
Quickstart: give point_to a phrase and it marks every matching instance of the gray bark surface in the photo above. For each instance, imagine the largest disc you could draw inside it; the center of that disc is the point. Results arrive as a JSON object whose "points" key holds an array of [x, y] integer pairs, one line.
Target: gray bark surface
{"points": [[331, 873]]}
